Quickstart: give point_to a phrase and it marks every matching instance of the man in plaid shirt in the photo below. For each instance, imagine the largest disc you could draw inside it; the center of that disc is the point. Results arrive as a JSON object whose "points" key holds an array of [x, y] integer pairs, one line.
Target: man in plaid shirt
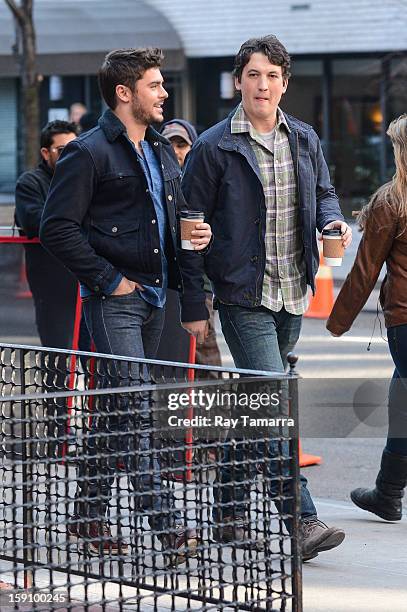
{"points": [[262, 181]]}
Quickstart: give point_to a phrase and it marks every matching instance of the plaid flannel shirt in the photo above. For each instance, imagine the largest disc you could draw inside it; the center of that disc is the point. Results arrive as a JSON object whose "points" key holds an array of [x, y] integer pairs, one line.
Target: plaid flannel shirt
{"points": [[284, 282]]}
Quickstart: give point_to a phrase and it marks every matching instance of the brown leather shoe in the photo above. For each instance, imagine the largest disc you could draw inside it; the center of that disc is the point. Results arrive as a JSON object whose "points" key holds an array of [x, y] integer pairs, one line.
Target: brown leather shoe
{"points": [[318, 537], [98, 537], [178, 544], [237, 532]]}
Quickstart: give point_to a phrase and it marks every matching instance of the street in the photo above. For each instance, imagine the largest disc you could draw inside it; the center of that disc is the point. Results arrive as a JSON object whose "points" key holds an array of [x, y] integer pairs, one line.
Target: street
{"points": [[355, 577], [326, 364]]}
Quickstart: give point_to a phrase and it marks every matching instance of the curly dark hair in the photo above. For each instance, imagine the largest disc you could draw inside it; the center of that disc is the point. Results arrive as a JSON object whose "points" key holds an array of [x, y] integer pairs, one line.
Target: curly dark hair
{"points": [[56, 127], [125, 67], [270, 46]]}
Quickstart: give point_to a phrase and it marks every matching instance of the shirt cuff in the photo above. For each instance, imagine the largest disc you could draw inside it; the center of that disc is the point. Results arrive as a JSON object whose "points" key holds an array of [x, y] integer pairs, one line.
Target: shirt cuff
{"points": [[110, 288]]}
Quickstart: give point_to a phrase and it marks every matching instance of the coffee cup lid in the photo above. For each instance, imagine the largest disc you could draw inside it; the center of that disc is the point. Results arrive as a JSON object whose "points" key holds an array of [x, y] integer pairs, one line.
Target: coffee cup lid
{"points": [[192, 214], [331, 232]]}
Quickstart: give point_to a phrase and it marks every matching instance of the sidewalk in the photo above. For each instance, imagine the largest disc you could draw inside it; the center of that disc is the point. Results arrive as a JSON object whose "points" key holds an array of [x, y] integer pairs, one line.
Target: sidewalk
{"points": [[367, 573]]}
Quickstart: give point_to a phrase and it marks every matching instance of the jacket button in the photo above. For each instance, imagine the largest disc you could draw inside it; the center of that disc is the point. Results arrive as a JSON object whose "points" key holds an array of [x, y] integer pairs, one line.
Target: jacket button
{"points": [[155, 250], [170, 198], [257, 221], [162, 166], [175, 259], [155, 144], [179, 287], [157, 280], [147, 191], [254, 258], [96, 288], [114, 229], [153, 221], [173, 228]]}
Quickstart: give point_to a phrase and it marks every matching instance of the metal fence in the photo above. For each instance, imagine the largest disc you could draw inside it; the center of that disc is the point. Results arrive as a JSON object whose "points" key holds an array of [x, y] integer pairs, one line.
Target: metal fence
{"points": [[117, 494]]}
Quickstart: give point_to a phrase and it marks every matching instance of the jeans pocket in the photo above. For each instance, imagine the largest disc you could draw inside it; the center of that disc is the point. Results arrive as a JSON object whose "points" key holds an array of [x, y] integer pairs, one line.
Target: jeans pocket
{"points": [[122, 296]]}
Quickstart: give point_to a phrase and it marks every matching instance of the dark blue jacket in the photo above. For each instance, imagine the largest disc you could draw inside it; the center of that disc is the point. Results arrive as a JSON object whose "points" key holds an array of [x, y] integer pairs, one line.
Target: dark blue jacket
{"points": [[222, 178], [99, 217]]}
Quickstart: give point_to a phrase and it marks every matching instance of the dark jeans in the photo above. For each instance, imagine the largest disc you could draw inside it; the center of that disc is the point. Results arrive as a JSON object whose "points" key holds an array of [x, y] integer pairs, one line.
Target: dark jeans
{"points": [[125, 325], [260, 339], [54, 291], [397, 434]]}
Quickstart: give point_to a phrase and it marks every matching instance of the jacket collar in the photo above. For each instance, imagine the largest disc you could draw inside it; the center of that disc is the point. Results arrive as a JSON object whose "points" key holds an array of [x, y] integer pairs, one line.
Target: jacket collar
{"points": [[231, 141], [113, 128], [44, 166]]}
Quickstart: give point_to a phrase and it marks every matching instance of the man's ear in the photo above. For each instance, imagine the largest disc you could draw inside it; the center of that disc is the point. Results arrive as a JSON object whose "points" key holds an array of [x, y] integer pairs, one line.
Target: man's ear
{"points": [[285, 84], [238, 84], [122, 93], [45, 154]]}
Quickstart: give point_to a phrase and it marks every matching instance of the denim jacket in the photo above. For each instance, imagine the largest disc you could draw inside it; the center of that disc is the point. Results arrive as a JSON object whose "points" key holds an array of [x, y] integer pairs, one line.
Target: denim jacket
{"points": [[99, 218]]}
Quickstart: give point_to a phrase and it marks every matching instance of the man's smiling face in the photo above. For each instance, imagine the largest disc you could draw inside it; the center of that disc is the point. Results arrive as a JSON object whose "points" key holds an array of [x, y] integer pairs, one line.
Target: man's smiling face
{"points": [[148, 97], [262, 84]]}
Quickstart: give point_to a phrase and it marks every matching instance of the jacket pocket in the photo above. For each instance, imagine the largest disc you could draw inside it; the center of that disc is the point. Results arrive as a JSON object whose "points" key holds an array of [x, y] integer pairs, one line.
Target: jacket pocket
{"points": [[114, 228], [120, 242]]}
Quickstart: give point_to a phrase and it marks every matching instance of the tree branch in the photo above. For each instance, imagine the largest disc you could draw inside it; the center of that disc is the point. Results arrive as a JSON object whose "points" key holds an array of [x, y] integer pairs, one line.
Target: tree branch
{"points": [[16, 10]]}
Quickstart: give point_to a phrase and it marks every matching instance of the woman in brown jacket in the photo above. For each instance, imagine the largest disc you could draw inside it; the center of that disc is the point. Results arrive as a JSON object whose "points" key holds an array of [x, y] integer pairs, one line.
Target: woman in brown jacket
{"points": [[384, 221]]}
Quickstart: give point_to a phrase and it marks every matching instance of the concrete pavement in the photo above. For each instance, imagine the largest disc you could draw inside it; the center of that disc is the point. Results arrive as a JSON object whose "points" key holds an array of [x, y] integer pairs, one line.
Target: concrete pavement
{"points": [[367, 573]]}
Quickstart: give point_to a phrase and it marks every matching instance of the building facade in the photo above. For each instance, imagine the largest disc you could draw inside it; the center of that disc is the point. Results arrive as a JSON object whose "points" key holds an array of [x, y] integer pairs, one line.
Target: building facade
{"points": [[349, 71]]}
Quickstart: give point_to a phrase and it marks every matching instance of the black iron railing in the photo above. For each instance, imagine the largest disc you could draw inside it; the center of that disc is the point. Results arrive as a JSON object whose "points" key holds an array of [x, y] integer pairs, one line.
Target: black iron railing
{"points": [[116, 492]]}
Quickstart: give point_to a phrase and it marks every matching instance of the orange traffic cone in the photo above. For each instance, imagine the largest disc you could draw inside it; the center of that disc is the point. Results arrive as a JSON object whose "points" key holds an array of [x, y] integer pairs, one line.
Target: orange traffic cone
{"points": [[305, 459], [322, 302]]}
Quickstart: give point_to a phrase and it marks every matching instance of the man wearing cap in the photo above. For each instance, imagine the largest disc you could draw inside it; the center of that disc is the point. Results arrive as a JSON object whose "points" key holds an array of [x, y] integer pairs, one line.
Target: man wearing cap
{"points": [[182, 136]]}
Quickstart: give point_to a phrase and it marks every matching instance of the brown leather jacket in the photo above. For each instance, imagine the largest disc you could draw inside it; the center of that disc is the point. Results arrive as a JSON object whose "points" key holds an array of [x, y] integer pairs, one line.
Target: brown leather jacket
{"points": [[384, 240]]}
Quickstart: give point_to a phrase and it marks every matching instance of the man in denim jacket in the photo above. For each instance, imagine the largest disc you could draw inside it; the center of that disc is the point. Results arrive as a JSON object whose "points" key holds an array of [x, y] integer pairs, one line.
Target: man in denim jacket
{"points": [[262, 181], [110, 217]]}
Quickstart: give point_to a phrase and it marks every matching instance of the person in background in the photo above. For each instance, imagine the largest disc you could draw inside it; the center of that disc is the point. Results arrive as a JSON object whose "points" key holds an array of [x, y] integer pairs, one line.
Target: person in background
{"points": [[76, 111], [53, 286], [182, 135], [88, 121], [384, 224]]}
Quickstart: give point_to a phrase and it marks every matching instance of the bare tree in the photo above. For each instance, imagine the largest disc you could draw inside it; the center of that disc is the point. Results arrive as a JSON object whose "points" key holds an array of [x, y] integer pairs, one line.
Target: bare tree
{"points": [[26, 50]]}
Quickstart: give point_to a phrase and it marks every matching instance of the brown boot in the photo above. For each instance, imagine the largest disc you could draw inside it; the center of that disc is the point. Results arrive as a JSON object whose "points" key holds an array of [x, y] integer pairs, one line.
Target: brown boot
{"points": [[318, 537], [178, 544], [236, 531], [98, 537]]}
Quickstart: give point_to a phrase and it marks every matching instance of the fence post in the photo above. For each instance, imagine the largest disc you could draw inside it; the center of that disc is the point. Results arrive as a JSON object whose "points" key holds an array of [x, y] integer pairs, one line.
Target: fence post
{"points": [[296, 559], [27, 482]]}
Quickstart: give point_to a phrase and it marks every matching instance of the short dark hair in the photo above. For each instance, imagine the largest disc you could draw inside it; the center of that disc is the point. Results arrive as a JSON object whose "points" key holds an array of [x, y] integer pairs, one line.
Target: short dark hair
{"points": [[56, 127], [125, 67], [270, 46]]}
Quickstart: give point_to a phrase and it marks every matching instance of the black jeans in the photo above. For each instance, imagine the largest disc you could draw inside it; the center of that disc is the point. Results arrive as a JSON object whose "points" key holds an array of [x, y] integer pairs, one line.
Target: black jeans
{"points": [[397, 435]]}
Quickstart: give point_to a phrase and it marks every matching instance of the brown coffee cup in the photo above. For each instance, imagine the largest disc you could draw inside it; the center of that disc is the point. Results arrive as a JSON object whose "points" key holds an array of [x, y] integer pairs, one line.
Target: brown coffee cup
{"points": [[333, 249], [189, 219]]}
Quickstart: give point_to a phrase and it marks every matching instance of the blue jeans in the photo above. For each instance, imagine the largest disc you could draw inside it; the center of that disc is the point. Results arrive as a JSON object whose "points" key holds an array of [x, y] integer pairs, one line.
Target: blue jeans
{"points": [[397, 434], [124, 325], [260, 339]]}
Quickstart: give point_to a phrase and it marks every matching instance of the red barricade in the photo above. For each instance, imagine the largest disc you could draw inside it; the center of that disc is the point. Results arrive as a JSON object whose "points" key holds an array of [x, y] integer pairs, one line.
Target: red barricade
{"points": [[23, 292]]}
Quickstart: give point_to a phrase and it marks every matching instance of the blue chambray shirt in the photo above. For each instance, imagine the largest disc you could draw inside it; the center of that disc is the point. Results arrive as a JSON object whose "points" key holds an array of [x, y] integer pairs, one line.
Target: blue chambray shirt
{"points": [[152, 170]]}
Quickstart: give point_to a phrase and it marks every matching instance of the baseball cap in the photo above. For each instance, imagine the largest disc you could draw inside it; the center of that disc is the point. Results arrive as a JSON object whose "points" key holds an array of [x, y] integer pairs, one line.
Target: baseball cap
{"points": [[176, 129]]}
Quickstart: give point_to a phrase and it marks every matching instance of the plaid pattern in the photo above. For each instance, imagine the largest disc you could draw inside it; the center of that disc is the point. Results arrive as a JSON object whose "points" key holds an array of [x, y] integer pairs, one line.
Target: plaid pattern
{"points": [[284, 282]]}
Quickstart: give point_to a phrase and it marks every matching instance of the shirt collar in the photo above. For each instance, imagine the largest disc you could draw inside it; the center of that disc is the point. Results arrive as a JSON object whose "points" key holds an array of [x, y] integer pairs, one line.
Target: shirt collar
{"points": [[240, 123]]}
